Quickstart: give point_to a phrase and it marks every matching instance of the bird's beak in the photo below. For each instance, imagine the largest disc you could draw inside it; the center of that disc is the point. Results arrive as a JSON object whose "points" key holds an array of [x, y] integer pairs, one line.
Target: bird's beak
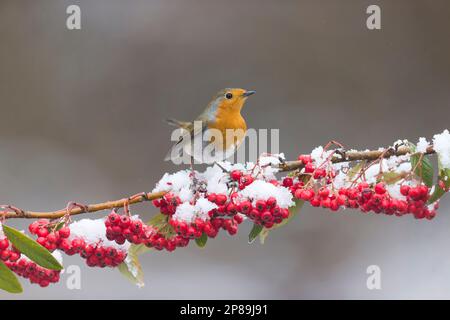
{"points": [[248, 93]]}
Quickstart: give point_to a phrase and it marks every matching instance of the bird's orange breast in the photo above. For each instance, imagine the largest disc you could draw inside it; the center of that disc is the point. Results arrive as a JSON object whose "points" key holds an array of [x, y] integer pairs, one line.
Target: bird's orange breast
{"points": [[232, 126]]}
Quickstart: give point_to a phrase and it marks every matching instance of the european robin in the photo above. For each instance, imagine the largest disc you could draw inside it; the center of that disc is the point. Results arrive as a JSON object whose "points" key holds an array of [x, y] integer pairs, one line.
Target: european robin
{"points": [[217, 133]]}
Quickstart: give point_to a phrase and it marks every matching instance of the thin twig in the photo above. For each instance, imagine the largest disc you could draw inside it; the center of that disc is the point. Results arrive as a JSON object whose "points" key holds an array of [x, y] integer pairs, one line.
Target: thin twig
{"points": [[80, 209]]}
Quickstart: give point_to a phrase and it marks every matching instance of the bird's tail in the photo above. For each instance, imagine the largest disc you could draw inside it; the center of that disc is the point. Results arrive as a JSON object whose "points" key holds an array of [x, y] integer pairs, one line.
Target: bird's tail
{"points": [[177, 123]]}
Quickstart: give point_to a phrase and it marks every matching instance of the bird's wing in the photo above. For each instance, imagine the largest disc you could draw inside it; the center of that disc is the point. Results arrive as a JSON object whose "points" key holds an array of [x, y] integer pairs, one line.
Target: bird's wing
{"points": [[190, 132], [179, 124]]}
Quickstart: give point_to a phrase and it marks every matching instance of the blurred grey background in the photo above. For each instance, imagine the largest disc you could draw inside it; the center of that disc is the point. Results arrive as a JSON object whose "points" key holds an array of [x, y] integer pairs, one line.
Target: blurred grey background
{"points": [[82, 119]]}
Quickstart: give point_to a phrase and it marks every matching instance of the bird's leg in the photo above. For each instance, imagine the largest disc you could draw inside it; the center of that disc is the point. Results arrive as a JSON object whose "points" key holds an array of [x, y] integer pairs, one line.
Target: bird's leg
{"points": [[194, 178]]}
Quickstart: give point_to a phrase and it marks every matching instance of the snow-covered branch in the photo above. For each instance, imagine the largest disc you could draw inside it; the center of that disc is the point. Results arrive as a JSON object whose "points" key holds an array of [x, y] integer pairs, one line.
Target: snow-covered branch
{"points": [[195, 206]]}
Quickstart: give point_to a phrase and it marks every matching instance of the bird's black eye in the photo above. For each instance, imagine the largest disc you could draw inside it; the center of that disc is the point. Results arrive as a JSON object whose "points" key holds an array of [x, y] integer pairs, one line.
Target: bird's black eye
{"points": [[229, 95]]}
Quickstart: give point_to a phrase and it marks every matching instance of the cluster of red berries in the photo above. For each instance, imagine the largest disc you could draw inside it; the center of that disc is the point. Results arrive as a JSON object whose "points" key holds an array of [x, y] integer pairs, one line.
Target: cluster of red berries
{"points": [[8, 252], [160, 242], [49, 237], [121, 228], [225, 216], [24, 267], [241, 179], [210, 227], [264, 212], [310, 167], [226, 206], [35, 273], [367, 198], [168, 204], [96, 255]]}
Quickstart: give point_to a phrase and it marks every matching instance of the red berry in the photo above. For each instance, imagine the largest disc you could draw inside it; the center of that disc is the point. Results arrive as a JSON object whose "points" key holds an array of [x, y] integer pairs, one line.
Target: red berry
{"points": [[305, 158], [4, 255], [231, 208], [379, 188], [78, 244], [136, 226], [157, 203], [42, 232], [320, 173], [221, 199], [235, 175], [64, 232], [324, 192], [404, 189], [33, 227], [52, 237], [307, 195], [238, 218], [315, 202], [271, 202], [309, 168], [13, 257], [266, 216], [42, 241], [114, 218], [212, 197], [4, 244], [260, 205], [423, 190], [245, 207], [65, 245], [232, 230], [247, 180], [284, 213], [288, 182], [341, 200], [125, 221]]}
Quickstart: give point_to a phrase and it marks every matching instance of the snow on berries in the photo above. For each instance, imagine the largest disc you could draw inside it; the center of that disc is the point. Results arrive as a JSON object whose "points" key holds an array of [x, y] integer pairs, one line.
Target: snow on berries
{"points": [[88, 238], [224, 196]]}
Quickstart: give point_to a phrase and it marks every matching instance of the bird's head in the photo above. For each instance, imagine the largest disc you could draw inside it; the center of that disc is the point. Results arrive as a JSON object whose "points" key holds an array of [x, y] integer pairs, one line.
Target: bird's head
{"points": [[232, 99]]}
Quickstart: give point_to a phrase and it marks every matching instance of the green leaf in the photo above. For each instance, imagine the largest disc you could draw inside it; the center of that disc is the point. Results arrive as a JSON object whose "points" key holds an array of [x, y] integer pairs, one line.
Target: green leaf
{"points": [[60, 225], [161, 222], [392, 177], [131, 269], [201, 242], [256, 230], [31, 249], [444, 175], [263, 235], [424, 170], [157, 220], [355, 169], [293, 211], [139, 249], [8, 280]]}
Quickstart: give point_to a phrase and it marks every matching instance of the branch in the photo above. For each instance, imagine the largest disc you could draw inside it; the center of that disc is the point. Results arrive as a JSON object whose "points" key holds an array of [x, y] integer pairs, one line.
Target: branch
{"points": [[17, 213], [357, 155], [340, 156]]}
